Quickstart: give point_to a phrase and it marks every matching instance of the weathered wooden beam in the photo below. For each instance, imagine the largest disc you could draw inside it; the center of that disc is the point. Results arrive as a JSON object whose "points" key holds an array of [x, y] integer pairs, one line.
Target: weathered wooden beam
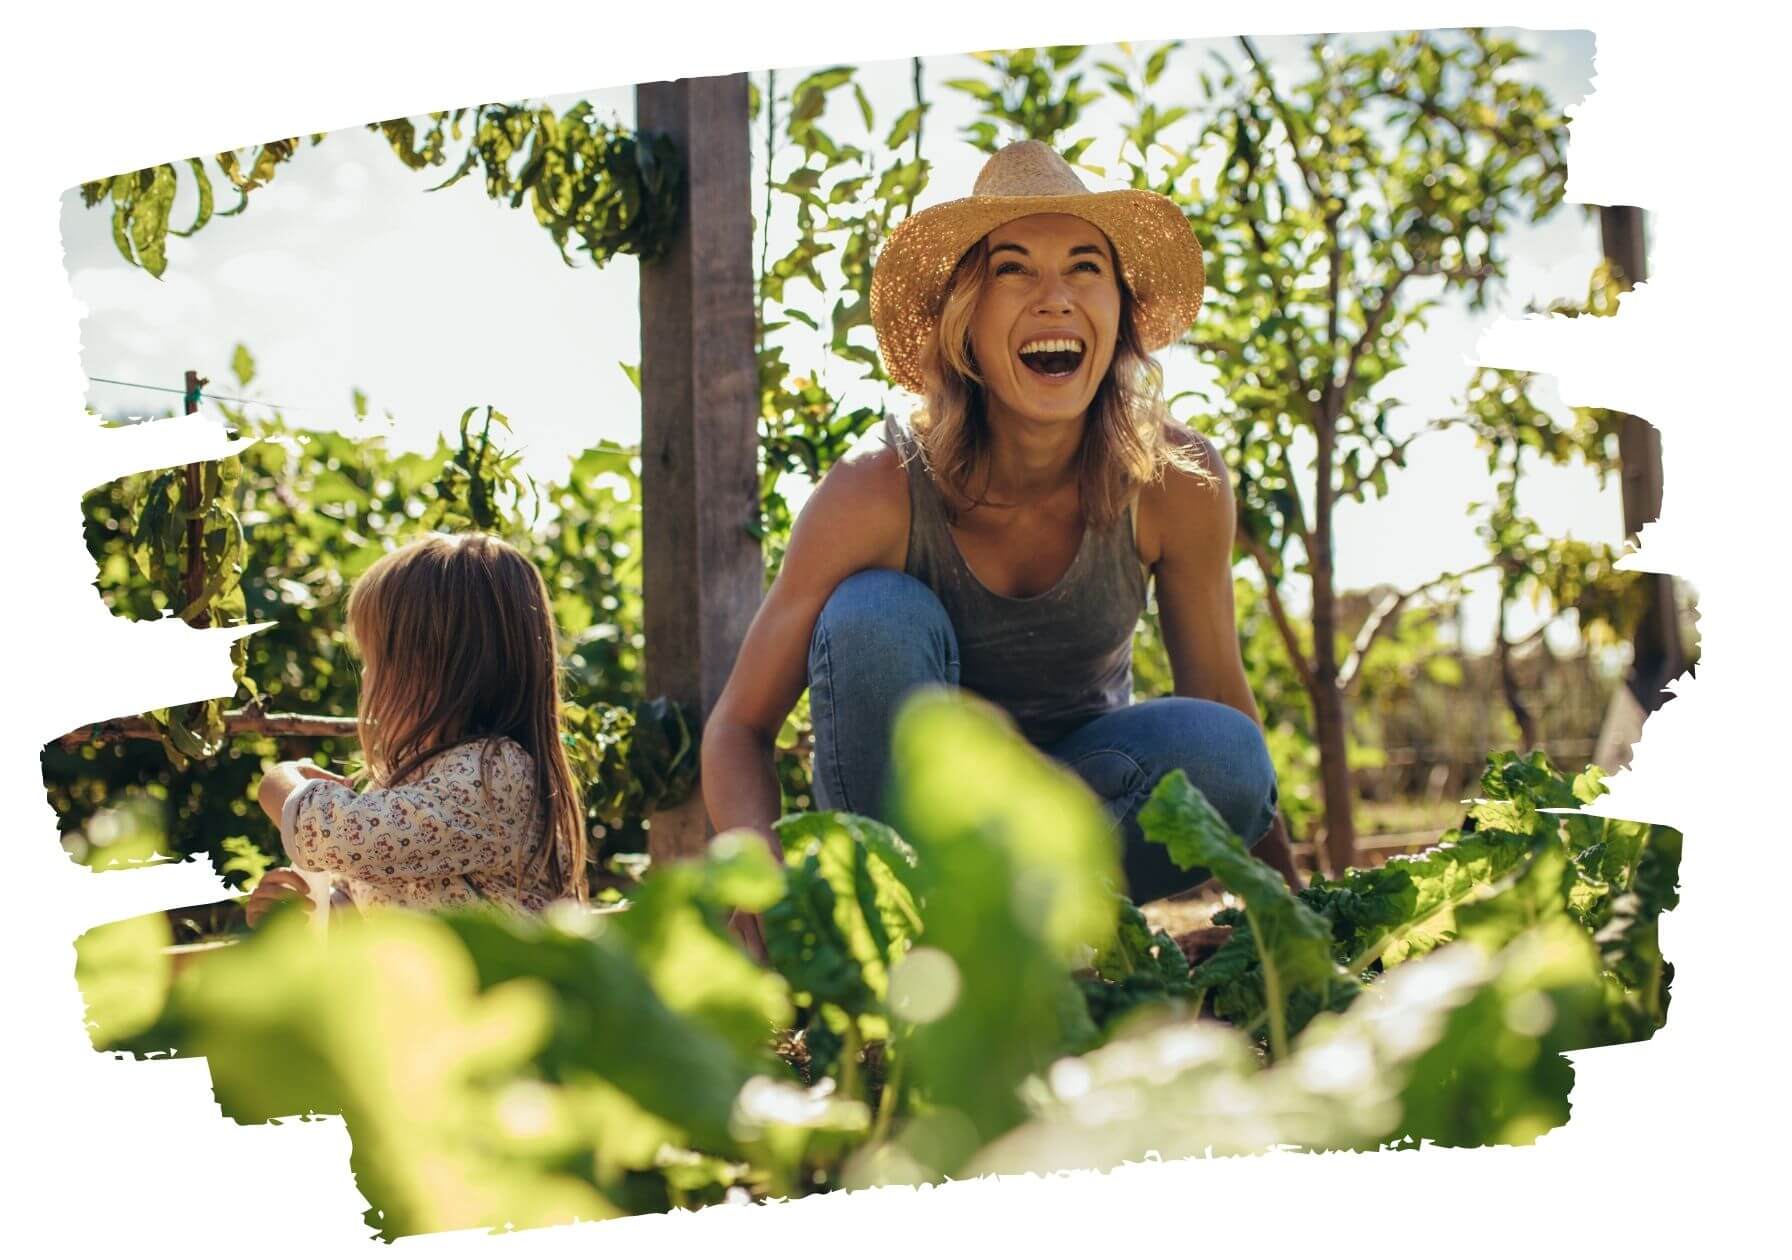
{"points": [[248, 721], [1657, 655], [703, 572]]}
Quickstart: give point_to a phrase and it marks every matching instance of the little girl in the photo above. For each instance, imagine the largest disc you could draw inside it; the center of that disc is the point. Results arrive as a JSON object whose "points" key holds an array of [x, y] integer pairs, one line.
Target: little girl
{"points": [[471, 796]]}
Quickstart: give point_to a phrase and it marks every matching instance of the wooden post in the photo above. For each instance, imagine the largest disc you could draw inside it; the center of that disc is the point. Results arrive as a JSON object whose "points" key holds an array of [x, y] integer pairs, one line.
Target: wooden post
{"points": [[702, 569], [1657, 656]]}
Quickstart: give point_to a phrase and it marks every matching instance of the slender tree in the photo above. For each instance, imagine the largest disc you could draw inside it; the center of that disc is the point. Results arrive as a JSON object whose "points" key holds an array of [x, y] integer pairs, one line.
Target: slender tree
{"points": [[1340, 210]]}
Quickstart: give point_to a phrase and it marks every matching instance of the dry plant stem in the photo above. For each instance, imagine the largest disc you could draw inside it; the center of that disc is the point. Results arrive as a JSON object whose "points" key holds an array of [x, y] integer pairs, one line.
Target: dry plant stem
{"points": [[246, 721]]}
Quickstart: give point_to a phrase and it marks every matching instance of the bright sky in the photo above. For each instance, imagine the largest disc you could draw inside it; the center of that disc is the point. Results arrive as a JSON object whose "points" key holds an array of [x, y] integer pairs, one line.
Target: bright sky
{"points": [[343, 273]]}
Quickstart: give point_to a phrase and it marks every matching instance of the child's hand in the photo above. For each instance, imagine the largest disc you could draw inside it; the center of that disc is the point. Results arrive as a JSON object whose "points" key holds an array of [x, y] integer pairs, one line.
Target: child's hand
{"points": [[275, 887], [318, 772], [285, 778]]}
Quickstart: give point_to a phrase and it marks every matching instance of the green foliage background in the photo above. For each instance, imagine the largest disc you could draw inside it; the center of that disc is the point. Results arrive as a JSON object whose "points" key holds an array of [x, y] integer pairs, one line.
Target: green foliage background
{"points": [[1475, 148], [301, 515]]}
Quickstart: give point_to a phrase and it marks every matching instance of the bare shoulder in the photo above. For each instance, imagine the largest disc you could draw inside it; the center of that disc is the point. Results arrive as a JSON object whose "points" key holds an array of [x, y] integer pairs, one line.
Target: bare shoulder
{"points": [[1199, 461], [870, 465], [1193, 496], [859, 512]]}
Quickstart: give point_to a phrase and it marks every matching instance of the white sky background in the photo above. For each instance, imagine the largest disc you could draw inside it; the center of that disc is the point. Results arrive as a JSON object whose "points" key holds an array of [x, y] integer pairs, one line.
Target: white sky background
{"points": [[343, 273]]}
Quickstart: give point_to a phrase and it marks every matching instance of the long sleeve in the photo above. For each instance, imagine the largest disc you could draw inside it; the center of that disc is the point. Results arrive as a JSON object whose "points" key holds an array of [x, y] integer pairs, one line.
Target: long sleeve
{"points": [[440, 823]]}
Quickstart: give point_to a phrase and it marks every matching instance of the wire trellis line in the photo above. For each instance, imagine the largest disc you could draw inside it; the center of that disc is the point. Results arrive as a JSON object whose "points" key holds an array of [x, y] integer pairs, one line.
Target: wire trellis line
{"points": [[164, 389]]}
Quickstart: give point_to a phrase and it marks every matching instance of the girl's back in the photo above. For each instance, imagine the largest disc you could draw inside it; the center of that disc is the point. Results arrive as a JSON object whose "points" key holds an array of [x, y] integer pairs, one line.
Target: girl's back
{"points": [[460, 725], [460, 828]]}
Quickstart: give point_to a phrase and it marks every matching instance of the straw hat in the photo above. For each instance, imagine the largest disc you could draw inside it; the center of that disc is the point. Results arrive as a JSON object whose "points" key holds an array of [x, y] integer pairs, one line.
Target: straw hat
{"points": [[1159, 255]]}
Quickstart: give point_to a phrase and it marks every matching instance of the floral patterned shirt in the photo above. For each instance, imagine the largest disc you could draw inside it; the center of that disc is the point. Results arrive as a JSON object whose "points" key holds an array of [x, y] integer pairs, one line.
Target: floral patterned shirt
{"points": [[440, 838]]}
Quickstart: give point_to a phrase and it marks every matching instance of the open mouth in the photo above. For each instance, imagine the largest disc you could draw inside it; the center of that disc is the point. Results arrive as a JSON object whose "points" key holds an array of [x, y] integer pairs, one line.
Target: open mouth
{"points": [[1053, 357]]}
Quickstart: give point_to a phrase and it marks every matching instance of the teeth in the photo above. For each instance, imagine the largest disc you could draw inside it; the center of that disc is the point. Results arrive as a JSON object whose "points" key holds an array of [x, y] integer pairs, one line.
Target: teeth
{"points": [[1053, 345]]}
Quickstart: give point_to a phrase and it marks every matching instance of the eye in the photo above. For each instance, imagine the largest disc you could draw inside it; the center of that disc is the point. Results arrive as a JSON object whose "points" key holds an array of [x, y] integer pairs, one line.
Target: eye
{"points": [[1002, 268], [1091, 264]]}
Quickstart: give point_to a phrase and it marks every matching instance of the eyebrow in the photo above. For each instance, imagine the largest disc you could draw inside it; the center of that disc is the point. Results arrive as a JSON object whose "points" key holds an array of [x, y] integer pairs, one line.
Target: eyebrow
{"points": [[1097, 250]]}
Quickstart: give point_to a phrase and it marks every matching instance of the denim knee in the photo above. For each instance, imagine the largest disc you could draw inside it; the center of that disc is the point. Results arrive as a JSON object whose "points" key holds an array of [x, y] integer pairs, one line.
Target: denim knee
{"points": [[883, 616], [1224, 754]]}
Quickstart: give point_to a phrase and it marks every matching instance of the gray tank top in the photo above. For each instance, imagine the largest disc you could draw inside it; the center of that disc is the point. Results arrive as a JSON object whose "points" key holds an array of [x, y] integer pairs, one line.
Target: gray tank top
{"points": [[1053, 660]]}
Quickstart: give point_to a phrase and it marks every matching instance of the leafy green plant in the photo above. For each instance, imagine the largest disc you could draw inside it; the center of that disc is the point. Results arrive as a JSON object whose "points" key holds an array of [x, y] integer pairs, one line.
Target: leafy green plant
{"points": [[292, 519], [616, 191], [499, 1071], [1292, 942], [1526, 854]]}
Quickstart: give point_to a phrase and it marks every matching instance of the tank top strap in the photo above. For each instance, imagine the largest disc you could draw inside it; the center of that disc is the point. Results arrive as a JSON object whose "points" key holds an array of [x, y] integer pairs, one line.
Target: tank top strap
{"points": [[930, 545]]}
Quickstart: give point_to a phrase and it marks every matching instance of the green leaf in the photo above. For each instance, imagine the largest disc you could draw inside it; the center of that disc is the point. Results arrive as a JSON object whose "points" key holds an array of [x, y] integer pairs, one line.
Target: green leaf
{"points": [[689, 959], [1495, 1074], [1293, 943], [1016, 862], [826, 80], [850, 911], [1154, 65], [906, 125], [973, 87], [1406, 906], [604, 1010], [202, 182], [289, 1025], [741, 872], [242, 364], [123, 970]]}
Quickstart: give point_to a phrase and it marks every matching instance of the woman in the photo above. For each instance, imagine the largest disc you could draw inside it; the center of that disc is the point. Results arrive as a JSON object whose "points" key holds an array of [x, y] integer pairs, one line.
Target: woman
{"points": [[1004, 544]]}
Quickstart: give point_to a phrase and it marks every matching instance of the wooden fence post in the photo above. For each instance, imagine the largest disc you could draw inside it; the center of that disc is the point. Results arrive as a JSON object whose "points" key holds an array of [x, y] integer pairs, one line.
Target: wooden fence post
{"points": [[703, 572], [1657, 655]]}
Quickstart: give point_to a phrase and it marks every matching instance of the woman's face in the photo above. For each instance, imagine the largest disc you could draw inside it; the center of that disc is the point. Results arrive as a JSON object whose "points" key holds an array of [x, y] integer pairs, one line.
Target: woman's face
{"points": [[1044, 327]]}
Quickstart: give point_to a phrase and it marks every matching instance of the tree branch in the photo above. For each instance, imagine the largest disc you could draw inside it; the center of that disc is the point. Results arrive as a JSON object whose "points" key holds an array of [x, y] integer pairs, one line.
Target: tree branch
{"points": [[1281, 108], [1272, 592], [1387, 611], [1481, 271], [1371, 329], [1264, 252], [245, 721]]}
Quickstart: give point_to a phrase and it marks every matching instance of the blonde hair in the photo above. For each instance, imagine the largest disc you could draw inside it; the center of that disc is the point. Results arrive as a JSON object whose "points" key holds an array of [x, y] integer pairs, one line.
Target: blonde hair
{"points": [[1125, 443], [459, 647]]}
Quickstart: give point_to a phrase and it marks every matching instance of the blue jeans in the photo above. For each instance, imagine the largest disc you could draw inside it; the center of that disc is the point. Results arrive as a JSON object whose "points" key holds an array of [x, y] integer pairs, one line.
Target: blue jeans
{"points": [[882, 634]]}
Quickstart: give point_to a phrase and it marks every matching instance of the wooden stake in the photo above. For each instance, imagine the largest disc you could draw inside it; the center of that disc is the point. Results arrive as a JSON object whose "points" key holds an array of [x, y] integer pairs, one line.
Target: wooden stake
{"points": [[703, 571]]}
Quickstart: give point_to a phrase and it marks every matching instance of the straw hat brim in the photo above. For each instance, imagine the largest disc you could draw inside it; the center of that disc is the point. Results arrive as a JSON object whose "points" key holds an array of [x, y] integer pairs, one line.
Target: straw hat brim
{"points": [[1159, 257]]}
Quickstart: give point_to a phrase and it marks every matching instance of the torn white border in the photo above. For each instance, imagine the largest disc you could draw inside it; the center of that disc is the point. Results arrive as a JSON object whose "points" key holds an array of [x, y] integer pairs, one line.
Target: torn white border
{"points": [[1668, 1146]]}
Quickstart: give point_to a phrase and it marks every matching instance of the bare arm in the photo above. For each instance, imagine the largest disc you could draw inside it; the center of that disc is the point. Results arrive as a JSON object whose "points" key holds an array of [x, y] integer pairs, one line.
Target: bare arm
{"points": [[857, 519], [1196, 523]]}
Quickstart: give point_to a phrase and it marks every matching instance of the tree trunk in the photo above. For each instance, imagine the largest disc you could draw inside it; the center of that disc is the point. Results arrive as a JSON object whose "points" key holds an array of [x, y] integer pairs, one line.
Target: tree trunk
{"points": [[1527, 725], [1331, 716]]}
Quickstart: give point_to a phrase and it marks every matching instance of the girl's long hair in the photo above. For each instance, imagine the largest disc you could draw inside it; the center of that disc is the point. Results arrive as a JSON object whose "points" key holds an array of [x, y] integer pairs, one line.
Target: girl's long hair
{"points": [[1125, 443], [458, 646]]}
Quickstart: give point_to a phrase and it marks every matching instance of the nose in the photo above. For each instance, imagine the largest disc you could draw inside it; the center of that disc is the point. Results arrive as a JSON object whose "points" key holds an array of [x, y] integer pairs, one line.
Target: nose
{"points": [[1053, 298]]}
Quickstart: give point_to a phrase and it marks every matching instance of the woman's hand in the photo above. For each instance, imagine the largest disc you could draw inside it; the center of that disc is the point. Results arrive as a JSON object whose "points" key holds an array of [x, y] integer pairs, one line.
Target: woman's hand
{"points": [[750, 933], [275, 887]]}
